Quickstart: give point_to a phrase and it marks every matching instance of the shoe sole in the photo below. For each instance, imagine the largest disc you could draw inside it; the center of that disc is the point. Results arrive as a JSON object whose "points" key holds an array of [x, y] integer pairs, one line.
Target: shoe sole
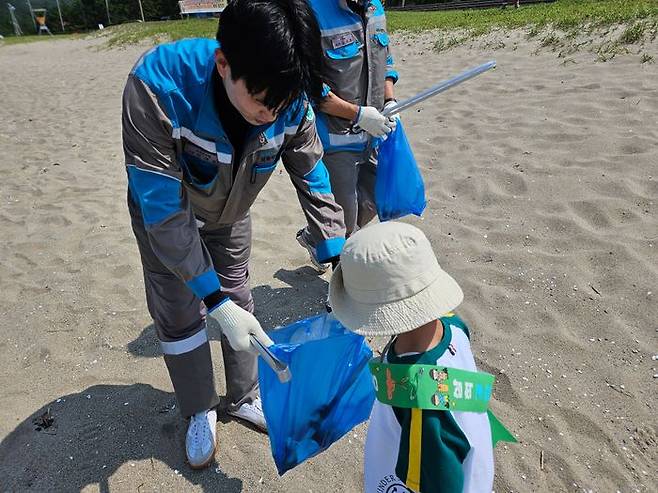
{"points": [[206, 463], [321, 268], [246, 421]]}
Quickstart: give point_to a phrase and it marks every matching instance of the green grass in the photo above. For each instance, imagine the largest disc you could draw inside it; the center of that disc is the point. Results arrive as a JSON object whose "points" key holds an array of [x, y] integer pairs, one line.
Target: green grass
{"points": [[557, 26], [550, 40], [158, 31], [15, 40], [633, 34], [570, 16], [563, 14], [445, 43]]}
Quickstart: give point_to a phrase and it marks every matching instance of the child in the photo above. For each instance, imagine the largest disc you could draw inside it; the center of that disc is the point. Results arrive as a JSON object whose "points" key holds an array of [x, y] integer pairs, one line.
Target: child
{"points": [[389, 283]]}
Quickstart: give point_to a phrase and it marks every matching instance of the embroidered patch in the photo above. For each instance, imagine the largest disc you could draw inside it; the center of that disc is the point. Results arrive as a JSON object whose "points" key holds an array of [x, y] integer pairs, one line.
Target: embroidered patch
{"points": [[342, 39]]}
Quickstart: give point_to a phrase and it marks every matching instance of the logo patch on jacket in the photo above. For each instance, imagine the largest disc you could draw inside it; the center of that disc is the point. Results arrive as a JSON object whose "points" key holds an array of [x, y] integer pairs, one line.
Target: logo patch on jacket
{"points": [[342, 39]]}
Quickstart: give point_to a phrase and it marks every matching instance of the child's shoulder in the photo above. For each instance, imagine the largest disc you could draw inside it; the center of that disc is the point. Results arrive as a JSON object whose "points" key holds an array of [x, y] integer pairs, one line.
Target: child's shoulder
{"points": [[452, 320]]}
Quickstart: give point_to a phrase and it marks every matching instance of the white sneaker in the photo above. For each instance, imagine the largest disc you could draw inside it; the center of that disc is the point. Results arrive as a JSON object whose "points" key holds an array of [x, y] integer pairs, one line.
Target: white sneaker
{"points": [[201, 439], [251, 412], [303, 241]]}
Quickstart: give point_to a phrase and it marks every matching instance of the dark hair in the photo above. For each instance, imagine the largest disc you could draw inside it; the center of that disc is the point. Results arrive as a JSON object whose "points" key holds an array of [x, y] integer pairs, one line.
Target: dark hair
{"points": [[274, 46]]}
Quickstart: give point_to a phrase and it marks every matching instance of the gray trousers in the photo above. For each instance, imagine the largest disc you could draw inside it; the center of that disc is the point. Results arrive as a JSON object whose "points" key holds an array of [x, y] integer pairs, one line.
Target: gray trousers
{"points": [[179, 318], [352, 176]]}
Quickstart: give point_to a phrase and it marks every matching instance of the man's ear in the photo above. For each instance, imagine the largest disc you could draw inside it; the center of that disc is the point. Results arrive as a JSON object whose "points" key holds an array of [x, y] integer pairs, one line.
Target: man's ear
{"points": [[221, 63]]}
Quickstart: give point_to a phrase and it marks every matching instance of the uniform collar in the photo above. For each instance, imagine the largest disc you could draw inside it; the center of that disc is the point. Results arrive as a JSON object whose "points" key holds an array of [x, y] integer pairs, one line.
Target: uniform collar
{"points": [[207, 123]]}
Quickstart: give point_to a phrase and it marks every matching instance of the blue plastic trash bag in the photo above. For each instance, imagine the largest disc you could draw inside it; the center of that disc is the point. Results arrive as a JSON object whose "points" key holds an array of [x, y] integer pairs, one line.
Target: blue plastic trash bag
{"points": [[399, 187], [331, 390]]}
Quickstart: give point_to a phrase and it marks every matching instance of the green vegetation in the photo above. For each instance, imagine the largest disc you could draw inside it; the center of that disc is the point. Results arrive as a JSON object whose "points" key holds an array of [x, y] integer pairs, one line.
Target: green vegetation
{"points": [[563, 27], [550, 40], [160, 31], [563, 14], [633, 34], [445, 43], [557, 23], [14, 40]]}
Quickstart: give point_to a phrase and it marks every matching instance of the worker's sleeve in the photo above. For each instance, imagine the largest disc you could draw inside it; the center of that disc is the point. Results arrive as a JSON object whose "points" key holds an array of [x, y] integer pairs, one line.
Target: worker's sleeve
{"points": [[391, 73], [155, 183], [302, 157]]}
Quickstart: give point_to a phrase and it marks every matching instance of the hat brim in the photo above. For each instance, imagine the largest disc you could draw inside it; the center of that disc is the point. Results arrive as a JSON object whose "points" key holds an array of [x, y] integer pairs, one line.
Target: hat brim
{"points": [[397, 317]]}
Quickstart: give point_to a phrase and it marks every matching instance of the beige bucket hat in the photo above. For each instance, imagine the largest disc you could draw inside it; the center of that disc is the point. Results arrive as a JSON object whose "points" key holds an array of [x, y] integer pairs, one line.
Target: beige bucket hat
{"points": [[389, 282]]}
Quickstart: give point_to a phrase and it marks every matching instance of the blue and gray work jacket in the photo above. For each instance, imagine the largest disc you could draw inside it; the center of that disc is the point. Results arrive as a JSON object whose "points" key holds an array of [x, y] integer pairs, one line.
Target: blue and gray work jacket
{"points": [[358, 61], [181, 168]]}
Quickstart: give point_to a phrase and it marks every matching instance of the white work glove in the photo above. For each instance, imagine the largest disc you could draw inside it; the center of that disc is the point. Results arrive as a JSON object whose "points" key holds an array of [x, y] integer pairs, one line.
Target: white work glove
{"points": [[395, 117], [373, 122], [388, 105], [237, 325]]}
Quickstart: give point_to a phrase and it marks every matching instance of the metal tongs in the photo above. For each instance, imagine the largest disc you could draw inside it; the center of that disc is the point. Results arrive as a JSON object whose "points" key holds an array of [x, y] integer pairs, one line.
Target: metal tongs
{"points": [[438, 88], [280, 368]]}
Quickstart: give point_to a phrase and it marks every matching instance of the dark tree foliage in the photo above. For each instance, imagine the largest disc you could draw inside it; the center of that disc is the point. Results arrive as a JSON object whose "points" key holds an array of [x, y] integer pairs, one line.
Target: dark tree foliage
{"points": [[83, 15]]}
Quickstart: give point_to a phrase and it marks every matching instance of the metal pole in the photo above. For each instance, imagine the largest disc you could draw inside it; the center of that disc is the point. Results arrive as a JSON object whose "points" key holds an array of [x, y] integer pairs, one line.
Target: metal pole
{"points": [[141, 10], [440, 87], [17, 27], [34, 21], [280, 368], [107, 9], [61, 21]]}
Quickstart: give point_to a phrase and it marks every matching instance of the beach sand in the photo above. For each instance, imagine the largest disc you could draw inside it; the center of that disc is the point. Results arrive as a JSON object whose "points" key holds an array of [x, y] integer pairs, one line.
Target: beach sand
{"points": [[542, 180]]}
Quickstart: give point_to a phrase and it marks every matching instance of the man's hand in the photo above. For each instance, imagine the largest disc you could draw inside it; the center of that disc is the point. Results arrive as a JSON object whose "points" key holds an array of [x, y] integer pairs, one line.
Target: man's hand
{"points": [[391, 103], [237, 325], [395, 117], [373, 122]]}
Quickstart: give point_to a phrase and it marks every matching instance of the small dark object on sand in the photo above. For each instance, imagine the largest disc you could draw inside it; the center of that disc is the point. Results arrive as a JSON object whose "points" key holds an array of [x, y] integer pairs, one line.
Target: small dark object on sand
{"points": [[44, 421]]}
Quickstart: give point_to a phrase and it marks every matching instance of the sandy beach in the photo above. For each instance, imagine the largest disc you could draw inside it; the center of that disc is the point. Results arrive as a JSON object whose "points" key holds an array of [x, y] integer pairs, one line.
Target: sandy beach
{"points": [[542, 180]]}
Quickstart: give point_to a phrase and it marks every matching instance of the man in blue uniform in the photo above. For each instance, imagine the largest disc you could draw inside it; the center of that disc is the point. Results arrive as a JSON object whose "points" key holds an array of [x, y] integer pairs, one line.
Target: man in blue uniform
{"points": [[359, 76], [205, 124]]}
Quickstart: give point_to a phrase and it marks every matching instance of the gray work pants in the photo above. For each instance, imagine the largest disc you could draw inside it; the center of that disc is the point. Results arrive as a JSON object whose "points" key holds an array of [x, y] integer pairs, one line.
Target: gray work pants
{"points": [[352, 176], [179, 320]]}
